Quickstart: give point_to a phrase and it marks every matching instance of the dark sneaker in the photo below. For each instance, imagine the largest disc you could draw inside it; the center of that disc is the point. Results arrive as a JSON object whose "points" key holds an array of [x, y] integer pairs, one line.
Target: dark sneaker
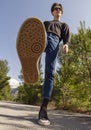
{"points": [[30, 44], [43, 118]]}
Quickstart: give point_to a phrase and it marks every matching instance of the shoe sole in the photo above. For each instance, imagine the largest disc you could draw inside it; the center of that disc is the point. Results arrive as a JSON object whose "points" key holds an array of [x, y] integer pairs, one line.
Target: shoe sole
{"points": [[30, 44]]}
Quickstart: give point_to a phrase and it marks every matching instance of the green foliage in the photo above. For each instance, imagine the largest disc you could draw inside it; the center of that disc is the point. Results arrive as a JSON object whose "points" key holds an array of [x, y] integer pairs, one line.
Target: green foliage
{"points": [[4, 82], [3, 68], [5, 93], [4, 85], [73, 80], [30, 94]]}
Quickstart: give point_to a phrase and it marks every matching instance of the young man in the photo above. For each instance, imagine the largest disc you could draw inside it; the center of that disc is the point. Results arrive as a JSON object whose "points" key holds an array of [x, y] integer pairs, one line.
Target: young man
{"points": [[31, 43], [56, 31]]}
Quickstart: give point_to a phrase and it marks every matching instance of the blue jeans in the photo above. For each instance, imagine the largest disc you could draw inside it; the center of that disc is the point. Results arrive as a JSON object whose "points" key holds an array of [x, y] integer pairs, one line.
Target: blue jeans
{"points": [[50, 61]]}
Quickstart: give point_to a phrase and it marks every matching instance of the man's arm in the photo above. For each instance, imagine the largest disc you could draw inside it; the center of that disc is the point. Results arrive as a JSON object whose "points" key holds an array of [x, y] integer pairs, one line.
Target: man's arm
{"points": [[65, 37]]}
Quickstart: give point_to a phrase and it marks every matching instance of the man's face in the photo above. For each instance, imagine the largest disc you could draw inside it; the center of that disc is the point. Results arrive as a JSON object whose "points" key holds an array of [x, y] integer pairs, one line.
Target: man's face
{"points": [[57, 11]]}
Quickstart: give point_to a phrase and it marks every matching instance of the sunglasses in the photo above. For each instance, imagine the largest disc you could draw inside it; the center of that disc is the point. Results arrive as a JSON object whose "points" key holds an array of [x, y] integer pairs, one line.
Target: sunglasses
{"points": [[56, 8]]}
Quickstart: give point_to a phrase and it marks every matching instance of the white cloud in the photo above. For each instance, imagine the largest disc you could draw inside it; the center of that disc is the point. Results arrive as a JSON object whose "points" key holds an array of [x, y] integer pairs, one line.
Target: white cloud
{"points": [[13, 83]]}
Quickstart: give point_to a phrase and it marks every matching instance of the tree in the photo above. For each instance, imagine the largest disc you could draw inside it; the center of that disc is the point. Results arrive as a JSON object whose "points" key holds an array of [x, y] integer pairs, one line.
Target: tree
{"points": [[30, 93], [74, 76], [4, 84]]}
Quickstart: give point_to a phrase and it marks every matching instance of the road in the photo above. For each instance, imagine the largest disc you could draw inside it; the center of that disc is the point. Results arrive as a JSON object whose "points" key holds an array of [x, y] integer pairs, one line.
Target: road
{"points": [[24, 117]]}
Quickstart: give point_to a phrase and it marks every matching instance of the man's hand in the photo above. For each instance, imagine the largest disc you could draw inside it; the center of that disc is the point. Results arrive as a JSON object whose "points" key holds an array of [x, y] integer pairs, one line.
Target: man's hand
{"points": [[65, 48]]}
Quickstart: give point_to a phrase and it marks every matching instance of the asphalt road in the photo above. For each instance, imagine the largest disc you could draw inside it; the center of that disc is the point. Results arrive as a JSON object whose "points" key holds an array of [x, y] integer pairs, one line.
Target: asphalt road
{"points": [[24, 117]]}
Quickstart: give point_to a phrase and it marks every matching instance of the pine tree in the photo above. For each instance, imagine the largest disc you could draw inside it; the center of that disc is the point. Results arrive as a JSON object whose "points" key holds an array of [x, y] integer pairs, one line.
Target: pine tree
{"points": [[4, 84], [30, 93], [74, 76]]}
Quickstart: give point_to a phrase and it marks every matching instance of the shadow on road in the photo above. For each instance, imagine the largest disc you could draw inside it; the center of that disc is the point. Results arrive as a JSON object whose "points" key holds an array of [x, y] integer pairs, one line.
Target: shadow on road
{"points": [[25, 117]]}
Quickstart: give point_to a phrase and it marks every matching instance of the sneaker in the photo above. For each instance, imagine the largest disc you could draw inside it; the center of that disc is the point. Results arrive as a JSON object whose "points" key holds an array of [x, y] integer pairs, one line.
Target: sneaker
{"points": [[30, 44], [43, 118]]}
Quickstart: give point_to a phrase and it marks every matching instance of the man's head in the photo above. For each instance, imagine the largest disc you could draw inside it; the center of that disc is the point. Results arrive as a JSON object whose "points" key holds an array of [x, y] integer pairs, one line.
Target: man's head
{"points": [[57, 7]]}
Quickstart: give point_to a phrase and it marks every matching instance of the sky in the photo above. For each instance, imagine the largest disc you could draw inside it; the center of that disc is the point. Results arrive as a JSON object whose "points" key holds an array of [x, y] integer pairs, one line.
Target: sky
{"points": [[14, 12]]}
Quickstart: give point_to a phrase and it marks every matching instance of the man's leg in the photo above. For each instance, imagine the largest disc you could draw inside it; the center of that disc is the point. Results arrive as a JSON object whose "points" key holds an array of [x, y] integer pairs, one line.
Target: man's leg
{"points": [[50, 60]]}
